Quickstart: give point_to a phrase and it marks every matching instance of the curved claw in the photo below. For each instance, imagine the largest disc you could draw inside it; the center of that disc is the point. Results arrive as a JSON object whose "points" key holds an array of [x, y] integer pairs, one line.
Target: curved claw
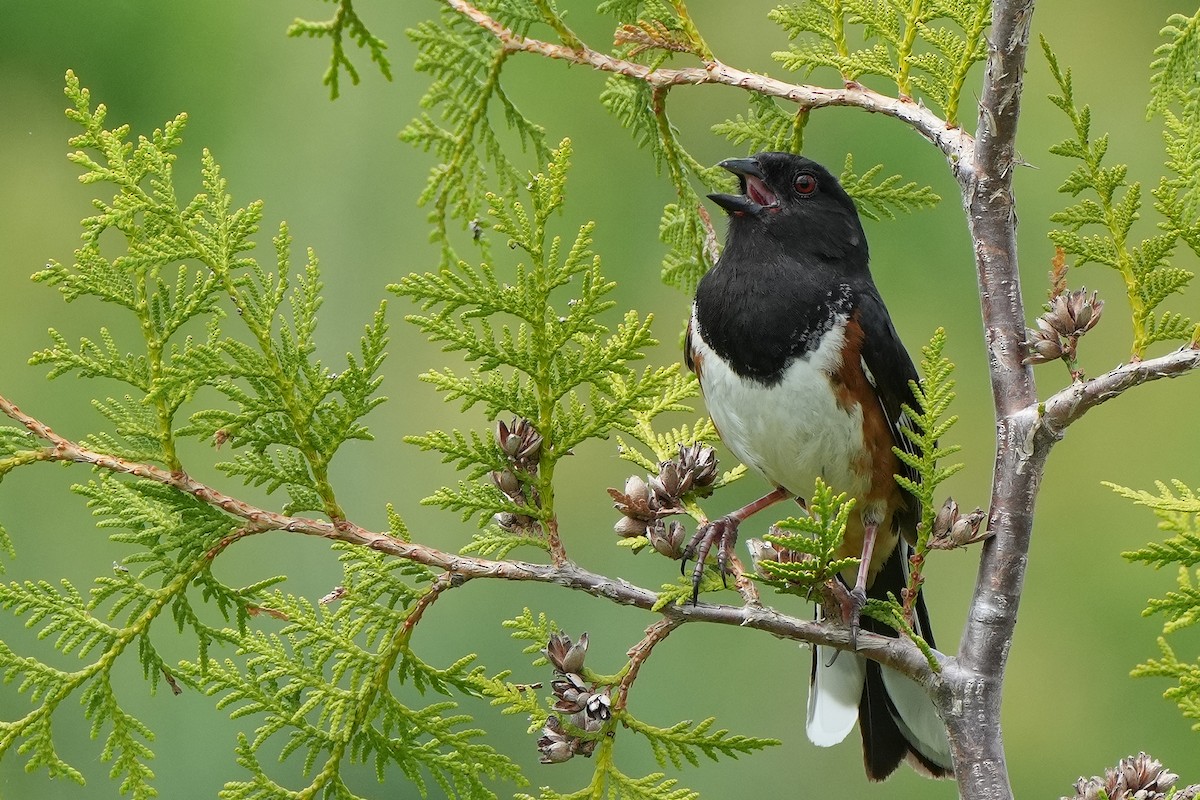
{"points": [[723, 534], [851, 604], [853, 614]]}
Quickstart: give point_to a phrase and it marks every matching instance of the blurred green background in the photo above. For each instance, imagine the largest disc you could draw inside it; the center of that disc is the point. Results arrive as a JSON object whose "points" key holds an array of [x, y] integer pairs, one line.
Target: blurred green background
{"points": [[347, 187]]}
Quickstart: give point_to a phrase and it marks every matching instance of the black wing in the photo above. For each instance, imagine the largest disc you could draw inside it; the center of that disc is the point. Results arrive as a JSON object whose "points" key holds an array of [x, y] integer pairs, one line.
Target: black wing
{"points": [[890, 369]]}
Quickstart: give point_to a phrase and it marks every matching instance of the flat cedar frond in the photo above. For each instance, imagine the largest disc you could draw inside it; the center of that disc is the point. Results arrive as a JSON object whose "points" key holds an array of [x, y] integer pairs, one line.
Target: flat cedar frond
{"points": [[497, 543], [685, 226], [540, 352], [664, 446], [685, 741], [691, 241], [1146, 269], [6, 545], [295, 412], [152, 516], [463, 450], [825, 20], [184, 261], [1186, 692], [513, 698], [465, 63], [171, 530], [1178, 510], [924, 426], [809, 544], [15, 440], [94, 360], [766, 126], [520, 15], [536, 630], [954, 34], [186, 264], [681, 590], [885, 198], [677, 388], [479, 500], [1177, 196], [940, 39], [322, 684], [631, 102], [654, 786], [345, 24], [628, 11], [1181, 607], [1175, 63], [137, 426]]}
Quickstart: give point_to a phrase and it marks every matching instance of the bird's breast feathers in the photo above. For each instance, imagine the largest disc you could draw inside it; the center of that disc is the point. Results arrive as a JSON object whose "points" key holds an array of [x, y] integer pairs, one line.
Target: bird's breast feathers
{"points": [[792, 430]]}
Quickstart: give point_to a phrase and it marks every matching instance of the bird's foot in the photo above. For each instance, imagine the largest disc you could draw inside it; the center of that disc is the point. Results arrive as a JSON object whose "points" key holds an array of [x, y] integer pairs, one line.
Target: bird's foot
{"points": [[846, 605], [722, 534], [852, 606]]}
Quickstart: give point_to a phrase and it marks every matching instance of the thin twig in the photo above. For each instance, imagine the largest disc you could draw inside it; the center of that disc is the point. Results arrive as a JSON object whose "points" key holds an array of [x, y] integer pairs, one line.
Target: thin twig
{"points": [[640, 652], [954, 142], [446, 580]]}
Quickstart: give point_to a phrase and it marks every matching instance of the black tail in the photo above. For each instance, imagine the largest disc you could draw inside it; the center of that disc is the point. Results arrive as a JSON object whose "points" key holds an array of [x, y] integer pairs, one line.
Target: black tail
{"points": [[895, 716]]}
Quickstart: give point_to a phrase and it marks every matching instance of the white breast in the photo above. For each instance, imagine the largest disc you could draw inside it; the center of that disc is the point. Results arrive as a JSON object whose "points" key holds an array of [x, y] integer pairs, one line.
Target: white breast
{"points": [[791, 432]]}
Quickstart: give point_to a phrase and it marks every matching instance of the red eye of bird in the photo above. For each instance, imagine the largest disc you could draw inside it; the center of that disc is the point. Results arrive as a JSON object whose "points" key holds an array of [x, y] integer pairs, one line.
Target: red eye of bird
{"points": [[805, 184]]}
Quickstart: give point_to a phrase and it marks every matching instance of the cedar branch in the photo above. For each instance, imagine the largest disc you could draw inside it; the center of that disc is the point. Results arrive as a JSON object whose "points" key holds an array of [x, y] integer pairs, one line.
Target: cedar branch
{"points": [[954, 142], [899, 654]]}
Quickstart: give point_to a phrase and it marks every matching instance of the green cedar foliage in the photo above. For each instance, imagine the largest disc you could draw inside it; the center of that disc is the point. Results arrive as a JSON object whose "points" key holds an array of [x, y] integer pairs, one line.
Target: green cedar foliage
{"points": [[320, 678], [344, 23], [336, 681], [465, 63], [683, 742], [926, 48], [923, 427], [816, 538], [1178, 510], [326, 685], [1149, 269], [541, 354], [325, 682], [1111, 205]]}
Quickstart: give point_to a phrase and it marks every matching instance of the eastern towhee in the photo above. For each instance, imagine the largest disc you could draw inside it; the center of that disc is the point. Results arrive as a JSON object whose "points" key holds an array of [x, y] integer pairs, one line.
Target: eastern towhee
{"points": [[803, 375]]}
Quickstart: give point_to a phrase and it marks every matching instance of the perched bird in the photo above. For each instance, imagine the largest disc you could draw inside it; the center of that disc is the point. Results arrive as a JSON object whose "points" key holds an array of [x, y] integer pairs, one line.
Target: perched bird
{"points": [[803, 375]]}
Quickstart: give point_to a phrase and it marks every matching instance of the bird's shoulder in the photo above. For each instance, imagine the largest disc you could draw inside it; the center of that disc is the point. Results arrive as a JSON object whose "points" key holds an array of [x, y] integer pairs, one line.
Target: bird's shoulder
{"points": [[761, 323], [884, 355]]}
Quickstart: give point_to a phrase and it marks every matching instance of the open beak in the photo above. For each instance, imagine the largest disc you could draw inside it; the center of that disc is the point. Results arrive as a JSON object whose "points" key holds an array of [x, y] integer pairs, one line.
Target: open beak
{"points": [[755, 196]]}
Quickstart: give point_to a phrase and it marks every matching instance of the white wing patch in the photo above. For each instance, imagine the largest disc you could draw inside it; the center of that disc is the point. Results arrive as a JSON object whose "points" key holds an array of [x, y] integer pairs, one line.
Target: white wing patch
{"points": [[867, 371]]}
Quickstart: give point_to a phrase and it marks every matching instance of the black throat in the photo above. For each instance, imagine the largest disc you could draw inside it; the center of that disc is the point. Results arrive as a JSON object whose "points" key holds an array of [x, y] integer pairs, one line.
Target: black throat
{"points": [[760, 308]]}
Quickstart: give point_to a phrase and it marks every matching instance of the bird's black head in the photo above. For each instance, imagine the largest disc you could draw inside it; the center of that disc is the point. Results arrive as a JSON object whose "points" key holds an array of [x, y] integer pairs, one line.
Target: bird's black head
{"points": [[797, 202]]}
